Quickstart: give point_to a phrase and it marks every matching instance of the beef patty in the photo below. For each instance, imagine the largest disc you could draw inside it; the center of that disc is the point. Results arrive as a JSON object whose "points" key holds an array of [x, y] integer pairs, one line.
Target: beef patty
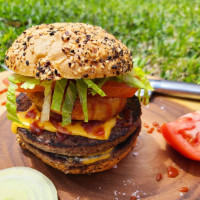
{"points": [[70, 145], [74, 165]]}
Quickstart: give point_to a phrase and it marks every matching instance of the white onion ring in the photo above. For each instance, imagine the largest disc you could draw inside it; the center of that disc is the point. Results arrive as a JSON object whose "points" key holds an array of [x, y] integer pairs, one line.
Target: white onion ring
{"points": [[23, 183]]}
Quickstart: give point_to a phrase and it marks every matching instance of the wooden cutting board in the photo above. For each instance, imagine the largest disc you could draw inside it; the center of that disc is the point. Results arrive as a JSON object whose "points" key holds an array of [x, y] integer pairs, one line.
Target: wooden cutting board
{"points": [[134, 176]]}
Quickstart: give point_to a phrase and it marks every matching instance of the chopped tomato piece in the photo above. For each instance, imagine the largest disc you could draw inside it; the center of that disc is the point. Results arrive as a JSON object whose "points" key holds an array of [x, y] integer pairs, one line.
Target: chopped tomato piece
{"points": [[184, 135], [118, 89]]}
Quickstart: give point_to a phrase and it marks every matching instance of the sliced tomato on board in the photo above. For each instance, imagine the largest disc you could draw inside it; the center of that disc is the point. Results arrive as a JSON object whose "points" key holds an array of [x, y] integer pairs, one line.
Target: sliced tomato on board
{"points": [[184, 135], [118, 89]]}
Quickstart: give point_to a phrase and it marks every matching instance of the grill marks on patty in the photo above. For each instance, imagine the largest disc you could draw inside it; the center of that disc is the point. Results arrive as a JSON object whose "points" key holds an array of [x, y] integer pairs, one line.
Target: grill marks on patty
{"points": [[81, 146]]}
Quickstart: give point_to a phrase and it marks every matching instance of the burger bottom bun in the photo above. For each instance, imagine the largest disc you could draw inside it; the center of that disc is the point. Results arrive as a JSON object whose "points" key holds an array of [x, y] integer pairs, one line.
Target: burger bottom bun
{"points": [[62, 163]]}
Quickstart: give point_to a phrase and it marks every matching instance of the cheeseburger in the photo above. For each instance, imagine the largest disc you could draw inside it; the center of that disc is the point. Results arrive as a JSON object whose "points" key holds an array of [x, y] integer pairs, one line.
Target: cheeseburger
{"points": [[77, 110]]}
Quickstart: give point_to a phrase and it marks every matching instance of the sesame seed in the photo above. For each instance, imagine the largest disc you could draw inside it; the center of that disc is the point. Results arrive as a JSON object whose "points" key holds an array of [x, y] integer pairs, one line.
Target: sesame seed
{"points": [[79, 70], [29, 37], [86, 68]]}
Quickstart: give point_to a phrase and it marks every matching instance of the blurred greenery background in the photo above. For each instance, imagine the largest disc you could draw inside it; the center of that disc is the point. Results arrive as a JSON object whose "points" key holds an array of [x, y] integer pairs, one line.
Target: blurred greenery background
{"points": [[164, 35]]}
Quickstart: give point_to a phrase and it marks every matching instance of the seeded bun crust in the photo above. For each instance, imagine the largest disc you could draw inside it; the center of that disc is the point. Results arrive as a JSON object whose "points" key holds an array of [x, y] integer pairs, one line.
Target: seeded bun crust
{"points": [[69, 50]]}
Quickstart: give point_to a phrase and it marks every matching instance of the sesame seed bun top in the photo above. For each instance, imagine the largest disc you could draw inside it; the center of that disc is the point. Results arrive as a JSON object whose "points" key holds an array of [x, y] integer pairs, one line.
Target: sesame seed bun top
{"points": [[69, 50]]}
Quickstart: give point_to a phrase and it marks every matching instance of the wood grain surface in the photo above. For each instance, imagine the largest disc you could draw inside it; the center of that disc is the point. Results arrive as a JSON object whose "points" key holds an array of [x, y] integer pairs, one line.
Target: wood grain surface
{"points": [[134, 176]]}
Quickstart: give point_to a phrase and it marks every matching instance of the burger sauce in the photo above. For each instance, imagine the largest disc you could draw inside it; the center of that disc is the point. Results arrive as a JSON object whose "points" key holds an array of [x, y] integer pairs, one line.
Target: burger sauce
{"points": [[146, 125], [31, 114], [3, 103], [172, 172], [36, 129], [93, 127], [183, 189], [4, 90], [158, 177], [150, 130], [133, 198], [61, 136]]}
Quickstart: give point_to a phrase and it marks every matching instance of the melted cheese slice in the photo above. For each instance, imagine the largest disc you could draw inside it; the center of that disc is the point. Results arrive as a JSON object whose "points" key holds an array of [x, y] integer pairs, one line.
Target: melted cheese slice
{"points": [[95, 158], [74, 128]]}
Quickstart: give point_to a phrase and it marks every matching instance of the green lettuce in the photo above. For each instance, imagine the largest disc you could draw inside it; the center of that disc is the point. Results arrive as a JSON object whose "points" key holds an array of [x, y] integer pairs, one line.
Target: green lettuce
{"points": [[137, 78], [94, 87], [58, 94], [11, 104], [29, 82], [82, 92], [16, 78], [68, 104]]}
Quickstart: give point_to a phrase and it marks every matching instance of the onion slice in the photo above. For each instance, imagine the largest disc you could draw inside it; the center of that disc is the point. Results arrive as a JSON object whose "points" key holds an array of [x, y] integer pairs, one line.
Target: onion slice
{"points": [[47, 101], [23, 183]]}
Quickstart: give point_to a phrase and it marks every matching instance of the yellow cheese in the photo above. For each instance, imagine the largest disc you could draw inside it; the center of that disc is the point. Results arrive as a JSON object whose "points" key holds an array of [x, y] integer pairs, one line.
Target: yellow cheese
{"points": [[74, 128], [95, 158]]}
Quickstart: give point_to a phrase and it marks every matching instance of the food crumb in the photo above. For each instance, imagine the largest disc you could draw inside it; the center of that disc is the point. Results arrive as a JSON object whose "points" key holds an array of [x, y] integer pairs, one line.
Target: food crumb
{"points": [[135, 153]]}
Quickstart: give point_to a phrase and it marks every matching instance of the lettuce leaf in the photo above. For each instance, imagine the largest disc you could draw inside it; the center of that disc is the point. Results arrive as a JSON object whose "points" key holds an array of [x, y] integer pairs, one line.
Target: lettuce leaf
{"points": [[11, 104], [137, 78], [68, 104], [58, 94], [82, 92], [45, 114], [16, 78], [94, 87], [29, 82]]}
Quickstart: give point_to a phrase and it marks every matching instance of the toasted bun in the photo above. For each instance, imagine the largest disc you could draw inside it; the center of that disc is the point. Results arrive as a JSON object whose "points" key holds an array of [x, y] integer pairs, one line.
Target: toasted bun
{"points": [[69, 50]]}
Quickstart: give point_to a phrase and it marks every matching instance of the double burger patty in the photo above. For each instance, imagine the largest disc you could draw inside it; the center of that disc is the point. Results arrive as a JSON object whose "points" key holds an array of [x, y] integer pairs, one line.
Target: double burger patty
{"points": [[70, 145], [74, 165]]}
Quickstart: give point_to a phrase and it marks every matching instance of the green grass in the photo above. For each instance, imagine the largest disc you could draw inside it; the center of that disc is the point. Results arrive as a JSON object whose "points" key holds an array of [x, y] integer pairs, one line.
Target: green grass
{"points": [[164, 35]]}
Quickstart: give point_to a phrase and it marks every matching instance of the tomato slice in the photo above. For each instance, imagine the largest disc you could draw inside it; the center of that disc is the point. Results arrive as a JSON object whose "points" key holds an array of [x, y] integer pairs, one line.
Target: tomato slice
{"points": [[184, 135], [111, 89], [118, 89]]}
